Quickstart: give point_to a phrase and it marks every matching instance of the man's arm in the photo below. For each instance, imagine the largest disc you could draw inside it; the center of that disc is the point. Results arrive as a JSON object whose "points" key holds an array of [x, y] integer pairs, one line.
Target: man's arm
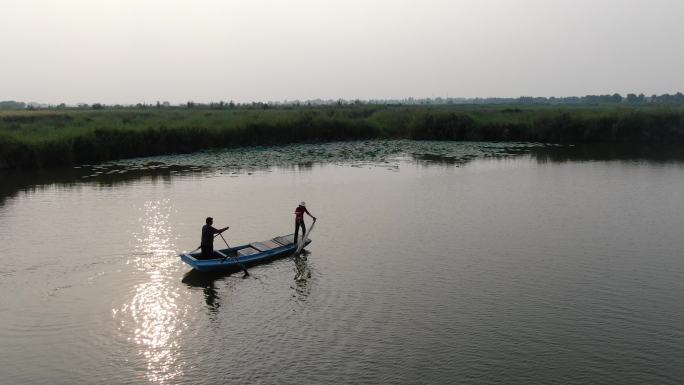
{"points": [[219, 231], [308, 213]]}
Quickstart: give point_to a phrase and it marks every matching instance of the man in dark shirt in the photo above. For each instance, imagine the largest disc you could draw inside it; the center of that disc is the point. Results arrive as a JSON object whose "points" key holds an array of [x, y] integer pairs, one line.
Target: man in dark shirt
{"points": [[299, 220], [208, 232]]}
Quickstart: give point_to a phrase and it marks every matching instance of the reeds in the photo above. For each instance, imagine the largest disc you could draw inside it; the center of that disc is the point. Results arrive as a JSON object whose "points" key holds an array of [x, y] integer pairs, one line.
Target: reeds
{"points": [[66, 137]]}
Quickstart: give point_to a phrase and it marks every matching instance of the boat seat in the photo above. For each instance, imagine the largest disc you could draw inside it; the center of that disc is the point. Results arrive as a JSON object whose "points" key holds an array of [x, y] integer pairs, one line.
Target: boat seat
{"points": [[247, 251], [285, 239], [261, 246], [271, 244]]}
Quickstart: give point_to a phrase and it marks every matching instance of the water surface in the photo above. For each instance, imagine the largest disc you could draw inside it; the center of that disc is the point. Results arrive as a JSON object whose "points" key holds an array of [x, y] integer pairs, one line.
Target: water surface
{"points": [[430, 263]]}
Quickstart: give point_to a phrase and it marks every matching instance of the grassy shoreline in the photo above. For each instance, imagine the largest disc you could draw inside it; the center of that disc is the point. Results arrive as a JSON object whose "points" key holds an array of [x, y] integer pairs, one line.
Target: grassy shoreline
{"points": [[60, 137]]}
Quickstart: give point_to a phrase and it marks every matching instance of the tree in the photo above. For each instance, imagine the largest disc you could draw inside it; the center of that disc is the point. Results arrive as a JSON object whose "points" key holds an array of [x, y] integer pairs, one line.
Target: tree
{"points": [[12, 105]]}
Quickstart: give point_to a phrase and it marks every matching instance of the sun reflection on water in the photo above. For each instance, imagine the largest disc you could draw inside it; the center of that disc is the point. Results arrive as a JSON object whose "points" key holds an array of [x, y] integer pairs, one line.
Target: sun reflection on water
{"points": [[153, 317]]}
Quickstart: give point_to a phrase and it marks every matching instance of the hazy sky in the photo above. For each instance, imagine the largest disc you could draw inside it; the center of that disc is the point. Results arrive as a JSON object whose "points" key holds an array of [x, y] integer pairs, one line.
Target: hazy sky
{"points": [[128, 51]]}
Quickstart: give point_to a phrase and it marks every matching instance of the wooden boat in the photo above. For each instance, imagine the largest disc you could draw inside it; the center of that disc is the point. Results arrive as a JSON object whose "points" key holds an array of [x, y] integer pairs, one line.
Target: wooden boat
{"points": [[250, 254]]}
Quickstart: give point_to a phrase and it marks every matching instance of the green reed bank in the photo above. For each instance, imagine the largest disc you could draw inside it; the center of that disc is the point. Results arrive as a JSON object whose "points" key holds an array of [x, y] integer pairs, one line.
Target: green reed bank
{"points": [[59, 137]]}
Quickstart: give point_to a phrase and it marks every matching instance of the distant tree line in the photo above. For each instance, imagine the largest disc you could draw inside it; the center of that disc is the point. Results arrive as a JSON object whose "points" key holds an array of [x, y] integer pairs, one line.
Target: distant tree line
{"points": [[632, 99], [613, 99], [12, 105]]}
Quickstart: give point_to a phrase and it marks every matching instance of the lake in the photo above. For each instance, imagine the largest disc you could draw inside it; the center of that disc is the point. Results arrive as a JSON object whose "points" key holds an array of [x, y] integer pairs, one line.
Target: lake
{"points": [[431, 262]]}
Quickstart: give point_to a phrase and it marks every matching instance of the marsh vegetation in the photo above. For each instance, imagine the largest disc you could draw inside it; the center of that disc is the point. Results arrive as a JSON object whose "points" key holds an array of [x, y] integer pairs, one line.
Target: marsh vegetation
{"points": [[55, 137]]}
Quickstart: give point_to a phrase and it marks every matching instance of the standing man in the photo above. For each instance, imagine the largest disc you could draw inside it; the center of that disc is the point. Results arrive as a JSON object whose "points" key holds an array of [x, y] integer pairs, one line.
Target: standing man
{"points": [[299, 220], [208, 232]]}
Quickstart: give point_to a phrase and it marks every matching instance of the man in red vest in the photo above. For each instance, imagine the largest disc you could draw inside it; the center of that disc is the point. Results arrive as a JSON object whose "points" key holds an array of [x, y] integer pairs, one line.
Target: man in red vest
{"points": [[299, 220]]}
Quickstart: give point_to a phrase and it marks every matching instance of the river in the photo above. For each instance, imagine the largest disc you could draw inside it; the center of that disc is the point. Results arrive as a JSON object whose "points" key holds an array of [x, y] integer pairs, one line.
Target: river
{"points": [[468, 263]]}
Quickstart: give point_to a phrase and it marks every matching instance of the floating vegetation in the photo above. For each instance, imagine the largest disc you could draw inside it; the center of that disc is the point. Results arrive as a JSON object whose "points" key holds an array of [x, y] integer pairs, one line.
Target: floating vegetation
{"points": [[360, 154], [248, 161]]}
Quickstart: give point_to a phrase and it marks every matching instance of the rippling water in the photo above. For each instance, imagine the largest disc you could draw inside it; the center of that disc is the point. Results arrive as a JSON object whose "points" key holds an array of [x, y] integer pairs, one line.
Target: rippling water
{"points": [[430, 263]]}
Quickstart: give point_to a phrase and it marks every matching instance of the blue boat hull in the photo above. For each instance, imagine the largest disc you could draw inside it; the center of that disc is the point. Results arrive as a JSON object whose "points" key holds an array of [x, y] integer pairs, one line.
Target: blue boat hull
{"points": [[247, 255]]}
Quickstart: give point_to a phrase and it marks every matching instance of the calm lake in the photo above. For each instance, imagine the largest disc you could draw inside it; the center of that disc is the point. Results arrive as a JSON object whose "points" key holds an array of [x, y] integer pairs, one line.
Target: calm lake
{"points": [[431, 263]]}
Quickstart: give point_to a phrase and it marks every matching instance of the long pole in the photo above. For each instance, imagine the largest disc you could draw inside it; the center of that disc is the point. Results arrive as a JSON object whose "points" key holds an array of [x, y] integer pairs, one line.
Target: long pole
{"points": [[305, 236], [236, 257]]}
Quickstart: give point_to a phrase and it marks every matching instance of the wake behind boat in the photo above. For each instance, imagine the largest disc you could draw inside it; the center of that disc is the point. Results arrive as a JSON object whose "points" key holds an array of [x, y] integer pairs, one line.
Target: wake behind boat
{"points": [[250, 254]]}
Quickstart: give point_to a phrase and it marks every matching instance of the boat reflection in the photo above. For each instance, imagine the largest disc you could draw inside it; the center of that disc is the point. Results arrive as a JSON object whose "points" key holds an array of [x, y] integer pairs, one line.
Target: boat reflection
{"points": [[213, 299], [206, 282]]}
